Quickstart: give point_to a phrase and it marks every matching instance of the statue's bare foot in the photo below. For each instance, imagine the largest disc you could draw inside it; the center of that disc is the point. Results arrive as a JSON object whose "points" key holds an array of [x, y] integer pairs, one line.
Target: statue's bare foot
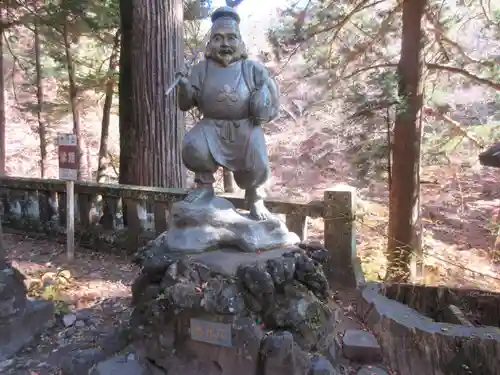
{"points": [[258, 211], [200, 193]]}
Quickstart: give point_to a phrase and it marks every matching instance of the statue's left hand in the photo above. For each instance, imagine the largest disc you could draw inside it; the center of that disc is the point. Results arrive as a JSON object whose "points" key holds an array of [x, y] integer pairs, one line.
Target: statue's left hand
{"points": [[261, 105]]}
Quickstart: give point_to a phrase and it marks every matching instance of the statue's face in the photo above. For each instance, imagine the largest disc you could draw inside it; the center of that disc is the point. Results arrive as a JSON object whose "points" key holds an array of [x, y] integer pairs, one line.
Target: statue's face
{"points": [[225, 44]]}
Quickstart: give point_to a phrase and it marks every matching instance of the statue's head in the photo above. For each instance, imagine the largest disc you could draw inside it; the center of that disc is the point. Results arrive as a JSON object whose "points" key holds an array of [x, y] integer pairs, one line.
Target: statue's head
{"points": [[225, 45]]}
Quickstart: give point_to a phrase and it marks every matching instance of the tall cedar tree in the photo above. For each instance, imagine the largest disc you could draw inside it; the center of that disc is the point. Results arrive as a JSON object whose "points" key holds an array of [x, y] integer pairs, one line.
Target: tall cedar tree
{"points": [[42, 131], [103, 161], [404, 190], [3, 141], [127, 130], [152, 127]]}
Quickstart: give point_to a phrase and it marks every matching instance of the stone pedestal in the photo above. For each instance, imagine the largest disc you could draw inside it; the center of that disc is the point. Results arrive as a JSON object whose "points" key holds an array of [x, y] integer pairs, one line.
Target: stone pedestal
{"points": [[207, 225], [237, 312], [20, 319]]}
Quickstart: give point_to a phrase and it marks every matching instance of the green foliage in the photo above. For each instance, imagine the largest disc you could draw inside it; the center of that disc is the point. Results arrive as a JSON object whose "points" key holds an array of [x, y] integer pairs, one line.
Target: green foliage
{"points": [[91, 26], [51, 287]]}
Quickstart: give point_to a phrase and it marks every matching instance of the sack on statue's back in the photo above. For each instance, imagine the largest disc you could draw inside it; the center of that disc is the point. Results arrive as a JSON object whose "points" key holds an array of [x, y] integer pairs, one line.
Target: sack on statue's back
{"points": [[264, 103]]}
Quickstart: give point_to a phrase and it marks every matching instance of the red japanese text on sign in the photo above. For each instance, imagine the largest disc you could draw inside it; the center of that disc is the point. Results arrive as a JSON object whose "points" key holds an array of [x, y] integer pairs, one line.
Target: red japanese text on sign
{"points": [[68, 156]]}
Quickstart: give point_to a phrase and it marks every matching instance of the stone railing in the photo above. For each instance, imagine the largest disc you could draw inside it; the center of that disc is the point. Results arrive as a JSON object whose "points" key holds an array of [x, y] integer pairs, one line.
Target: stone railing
{"points": [[124, 217]]}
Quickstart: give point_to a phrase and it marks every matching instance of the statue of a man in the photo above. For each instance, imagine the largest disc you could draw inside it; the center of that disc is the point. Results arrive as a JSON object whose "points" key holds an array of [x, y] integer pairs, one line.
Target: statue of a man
{"points": [[236, 96]]}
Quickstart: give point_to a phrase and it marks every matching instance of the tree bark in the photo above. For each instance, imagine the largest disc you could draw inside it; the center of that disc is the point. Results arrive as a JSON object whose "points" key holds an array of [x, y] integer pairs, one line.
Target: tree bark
{"points": [[73, 95], [404, 207], [3, 140], [158, 46], [42, 133], [126, 125], [106, 111]]}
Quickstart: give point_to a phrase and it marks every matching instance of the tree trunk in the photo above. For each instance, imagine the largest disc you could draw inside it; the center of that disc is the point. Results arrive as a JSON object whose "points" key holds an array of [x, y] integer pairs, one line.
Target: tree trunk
{"points": [[157, 55], [3, 253], [106, 111], [404, 193], [126, 109], [73, 95], [42, 133], [3, 140]]}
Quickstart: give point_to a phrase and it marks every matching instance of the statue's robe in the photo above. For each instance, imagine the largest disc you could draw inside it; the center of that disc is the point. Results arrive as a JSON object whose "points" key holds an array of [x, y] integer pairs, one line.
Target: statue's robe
{"points": [[234, 101]]}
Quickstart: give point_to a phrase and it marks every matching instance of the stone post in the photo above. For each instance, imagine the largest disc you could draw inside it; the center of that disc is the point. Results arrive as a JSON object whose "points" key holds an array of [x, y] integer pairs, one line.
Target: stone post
{"points": [[339, 231]]}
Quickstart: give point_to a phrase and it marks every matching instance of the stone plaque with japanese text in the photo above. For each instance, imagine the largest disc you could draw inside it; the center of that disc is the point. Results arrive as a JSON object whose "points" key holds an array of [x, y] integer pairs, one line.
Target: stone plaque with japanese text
{"points": [[211, 332]]}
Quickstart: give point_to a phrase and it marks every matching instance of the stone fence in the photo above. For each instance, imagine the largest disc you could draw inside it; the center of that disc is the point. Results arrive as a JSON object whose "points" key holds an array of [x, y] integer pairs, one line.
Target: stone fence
{"points": [[124, 217]]}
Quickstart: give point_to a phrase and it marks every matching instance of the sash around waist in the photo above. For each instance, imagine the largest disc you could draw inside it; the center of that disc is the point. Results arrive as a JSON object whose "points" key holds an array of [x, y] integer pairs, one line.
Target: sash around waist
{"points": [[244, 119], [219, 122]]}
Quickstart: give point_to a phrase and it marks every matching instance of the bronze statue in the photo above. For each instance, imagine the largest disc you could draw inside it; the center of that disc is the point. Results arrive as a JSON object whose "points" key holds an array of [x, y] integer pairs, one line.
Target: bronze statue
{"points": [[236, 96]]}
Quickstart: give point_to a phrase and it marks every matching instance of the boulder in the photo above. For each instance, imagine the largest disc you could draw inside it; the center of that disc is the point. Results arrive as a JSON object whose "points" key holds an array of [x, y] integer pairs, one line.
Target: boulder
{"points": [[20, 319], [80, 361], [361, 346], [282, 356], [322, 366], [123, 365]]}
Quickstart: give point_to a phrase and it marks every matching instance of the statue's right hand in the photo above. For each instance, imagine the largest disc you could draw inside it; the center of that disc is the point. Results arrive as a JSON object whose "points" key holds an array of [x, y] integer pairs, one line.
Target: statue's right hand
{"points": [[182, 78]]}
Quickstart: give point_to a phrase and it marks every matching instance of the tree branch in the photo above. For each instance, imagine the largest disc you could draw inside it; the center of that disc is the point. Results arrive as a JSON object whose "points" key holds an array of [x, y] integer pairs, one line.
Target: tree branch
{"points": [[486, 13], [456, 128], [362, 48], [364, 4], [442, 39], [368, 68], [431, 66], [452, 69]]}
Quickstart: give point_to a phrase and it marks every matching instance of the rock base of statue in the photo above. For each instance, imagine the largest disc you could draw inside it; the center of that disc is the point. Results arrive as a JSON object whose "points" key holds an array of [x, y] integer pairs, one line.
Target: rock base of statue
{"points": [[228, 312], [20, 319], [207, 225]]}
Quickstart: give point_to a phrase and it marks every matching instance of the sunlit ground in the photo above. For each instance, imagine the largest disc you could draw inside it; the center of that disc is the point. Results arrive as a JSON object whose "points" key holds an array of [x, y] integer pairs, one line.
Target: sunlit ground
{"points": [[94, 277]]}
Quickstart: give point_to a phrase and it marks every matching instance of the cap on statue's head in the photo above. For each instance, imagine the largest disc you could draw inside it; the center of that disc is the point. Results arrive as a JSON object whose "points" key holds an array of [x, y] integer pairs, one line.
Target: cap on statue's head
{"points": [[225, 14]]}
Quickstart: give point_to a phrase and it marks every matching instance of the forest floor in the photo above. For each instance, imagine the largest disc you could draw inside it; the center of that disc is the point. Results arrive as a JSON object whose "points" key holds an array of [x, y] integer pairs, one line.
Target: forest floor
{"points": [[460, 209]]}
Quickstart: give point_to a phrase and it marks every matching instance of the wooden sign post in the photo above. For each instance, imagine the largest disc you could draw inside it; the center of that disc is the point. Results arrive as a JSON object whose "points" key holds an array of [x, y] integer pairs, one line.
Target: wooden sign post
{"points": [[68, 170]]}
